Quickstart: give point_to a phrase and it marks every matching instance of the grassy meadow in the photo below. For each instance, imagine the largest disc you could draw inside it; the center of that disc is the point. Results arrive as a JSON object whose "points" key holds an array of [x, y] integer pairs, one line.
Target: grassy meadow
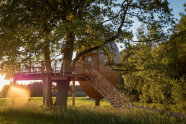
{"points": [[33, 112]]}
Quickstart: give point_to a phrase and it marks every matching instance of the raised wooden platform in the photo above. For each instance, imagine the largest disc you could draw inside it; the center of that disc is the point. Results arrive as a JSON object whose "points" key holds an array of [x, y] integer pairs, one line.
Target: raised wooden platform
{"points": [[53, 76], [37, 71], [56, 76]]}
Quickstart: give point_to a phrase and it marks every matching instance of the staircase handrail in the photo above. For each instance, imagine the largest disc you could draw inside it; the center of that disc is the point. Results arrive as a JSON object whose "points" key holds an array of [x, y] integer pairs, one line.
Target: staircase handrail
{"points": [[105, 81], [111, 89]]}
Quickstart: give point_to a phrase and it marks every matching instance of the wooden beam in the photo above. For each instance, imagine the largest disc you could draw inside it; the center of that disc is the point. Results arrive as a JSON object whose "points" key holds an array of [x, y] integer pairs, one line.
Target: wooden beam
{"points": [[44, 91], [97, 102], [73, 93], [13, 98]]}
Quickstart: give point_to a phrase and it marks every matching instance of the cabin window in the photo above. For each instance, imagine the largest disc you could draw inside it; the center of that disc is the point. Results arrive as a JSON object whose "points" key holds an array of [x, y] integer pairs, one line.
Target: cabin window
{"points": [[105, 61], [89, 59]]}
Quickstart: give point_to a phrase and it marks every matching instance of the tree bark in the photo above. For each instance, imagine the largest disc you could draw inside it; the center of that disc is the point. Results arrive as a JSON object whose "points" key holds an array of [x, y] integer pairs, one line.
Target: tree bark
{"points": [[47, 57], [62, 94], [48, 82], [63, 86]]}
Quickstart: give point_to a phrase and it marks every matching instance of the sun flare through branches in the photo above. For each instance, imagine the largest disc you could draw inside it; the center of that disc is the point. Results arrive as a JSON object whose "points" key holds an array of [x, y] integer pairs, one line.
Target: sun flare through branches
{"points": [[3, 81]]}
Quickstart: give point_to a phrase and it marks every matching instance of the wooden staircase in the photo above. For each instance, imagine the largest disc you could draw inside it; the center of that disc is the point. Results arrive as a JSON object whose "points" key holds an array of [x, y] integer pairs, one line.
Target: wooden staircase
{"points": [[105, 88]]}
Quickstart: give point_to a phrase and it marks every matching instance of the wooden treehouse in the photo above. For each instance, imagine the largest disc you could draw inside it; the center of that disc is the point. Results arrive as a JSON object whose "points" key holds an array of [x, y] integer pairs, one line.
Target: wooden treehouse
{"points": [[96, 78]]}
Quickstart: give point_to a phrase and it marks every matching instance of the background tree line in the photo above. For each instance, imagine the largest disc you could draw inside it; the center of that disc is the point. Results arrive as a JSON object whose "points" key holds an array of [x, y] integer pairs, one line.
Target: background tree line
{"points": [[36, 90], [157, 70]]}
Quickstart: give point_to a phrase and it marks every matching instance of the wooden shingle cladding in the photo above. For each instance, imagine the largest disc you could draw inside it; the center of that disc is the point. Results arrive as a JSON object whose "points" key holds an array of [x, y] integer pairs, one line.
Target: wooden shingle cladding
{"points": [[98, 61]]}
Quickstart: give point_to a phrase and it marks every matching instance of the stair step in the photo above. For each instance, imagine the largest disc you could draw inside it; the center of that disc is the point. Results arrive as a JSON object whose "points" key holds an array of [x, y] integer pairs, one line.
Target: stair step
{"points": [[110, 92]]}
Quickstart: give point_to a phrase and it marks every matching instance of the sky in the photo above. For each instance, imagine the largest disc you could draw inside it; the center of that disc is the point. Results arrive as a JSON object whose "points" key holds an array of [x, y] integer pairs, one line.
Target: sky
{"points": [[176, 5]]}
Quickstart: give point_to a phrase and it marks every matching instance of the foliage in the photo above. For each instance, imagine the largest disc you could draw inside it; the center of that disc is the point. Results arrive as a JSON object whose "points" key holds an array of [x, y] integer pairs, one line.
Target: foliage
{"points": [[29, 26], [36, 89], [156, 69], [78, 92]]}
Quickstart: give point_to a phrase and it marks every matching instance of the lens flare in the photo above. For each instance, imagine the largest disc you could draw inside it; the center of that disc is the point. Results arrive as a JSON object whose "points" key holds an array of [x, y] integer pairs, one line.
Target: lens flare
{"points": [[20, 95], [3, 81]]}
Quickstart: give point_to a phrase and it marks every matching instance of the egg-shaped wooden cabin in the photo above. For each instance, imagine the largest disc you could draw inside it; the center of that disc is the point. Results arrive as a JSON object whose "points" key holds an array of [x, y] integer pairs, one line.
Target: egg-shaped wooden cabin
{"points": [[99, 61]]}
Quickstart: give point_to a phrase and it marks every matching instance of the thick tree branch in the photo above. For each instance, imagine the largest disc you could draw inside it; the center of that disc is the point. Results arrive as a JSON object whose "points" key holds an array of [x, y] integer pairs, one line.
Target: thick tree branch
{"points": [[112, 17], [111, 39], [127, 70], [62, 14], [95, 48], [149, 40]]}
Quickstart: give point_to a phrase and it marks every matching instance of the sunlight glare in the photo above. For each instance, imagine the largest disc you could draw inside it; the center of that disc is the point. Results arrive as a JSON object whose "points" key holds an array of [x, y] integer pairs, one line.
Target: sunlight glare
{"points": [[20, 95], [3, 81]]}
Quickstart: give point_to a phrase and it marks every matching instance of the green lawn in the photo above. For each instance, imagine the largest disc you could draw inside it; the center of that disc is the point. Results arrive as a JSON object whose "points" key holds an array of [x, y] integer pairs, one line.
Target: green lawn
{"points": [[84, 113], [38, 101]]}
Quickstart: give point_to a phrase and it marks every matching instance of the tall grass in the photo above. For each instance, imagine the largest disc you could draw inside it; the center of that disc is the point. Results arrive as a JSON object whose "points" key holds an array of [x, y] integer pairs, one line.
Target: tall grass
{"points": [[181, 108], [83, 113]]}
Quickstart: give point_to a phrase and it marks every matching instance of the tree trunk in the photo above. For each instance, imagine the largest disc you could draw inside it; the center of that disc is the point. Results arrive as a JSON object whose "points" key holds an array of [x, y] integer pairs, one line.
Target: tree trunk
{"points": [[62, 94], [48, 82], [47, 91], [47, 57], [63, 86]]}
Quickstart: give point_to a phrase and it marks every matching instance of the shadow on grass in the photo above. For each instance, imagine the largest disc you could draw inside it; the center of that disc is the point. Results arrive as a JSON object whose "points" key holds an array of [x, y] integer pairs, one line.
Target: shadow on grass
{"points": [[80, 116]]}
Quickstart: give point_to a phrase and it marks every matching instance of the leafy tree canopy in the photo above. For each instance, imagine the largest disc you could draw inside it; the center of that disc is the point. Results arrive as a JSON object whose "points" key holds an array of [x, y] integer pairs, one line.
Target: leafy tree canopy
{"points": [[27, 26]]}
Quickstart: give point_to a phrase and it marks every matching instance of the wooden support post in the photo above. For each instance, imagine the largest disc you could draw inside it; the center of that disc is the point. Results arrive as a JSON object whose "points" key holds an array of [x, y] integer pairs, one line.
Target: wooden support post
{"points": [[19, 67], [97, 102], [73, 93], [30, 65], [13, 97], [54, 69], [44, 91]]}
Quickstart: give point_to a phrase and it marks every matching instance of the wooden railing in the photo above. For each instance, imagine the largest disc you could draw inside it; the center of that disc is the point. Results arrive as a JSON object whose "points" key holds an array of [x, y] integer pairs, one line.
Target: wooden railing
{"points": [[103, 86], [37, 67], [63, 67], [112, 87]]}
